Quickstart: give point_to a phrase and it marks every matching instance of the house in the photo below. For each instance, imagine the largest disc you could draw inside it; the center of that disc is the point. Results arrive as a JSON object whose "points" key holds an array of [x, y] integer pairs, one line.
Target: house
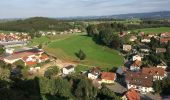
{"points": [[25, 55], [146, 40], [30, 63], [131, 94], [164, 40], [15, 57], [136, 57], [133, 38], [127, 47], [108, 77], [43, 58], [140, 82], [155, 72], [94, 73], [165, 34], [160, 50], [151, 35], [161, 65], [121, 70], [9, 50], [135, 65], [144, 49], [13, 44], [68, 70]]}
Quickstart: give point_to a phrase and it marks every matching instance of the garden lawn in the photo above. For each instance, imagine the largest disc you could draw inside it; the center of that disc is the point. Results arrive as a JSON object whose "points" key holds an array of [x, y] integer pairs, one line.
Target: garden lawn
{"points": [[96, 55]]}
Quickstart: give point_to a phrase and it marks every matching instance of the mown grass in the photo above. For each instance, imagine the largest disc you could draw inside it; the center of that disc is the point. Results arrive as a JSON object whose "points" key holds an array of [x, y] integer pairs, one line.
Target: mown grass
{"points": [[96, 55]]}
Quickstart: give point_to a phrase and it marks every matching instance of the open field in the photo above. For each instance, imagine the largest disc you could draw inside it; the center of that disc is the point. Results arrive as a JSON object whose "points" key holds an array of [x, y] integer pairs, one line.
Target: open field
{"points": [[154, 30], [1, 31], [96, 55]]}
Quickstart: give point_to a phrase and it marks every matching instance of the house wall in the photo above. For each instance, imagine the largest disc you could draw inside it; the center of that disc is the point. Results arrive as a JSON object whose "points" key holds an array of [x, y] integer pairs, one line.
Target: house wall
{"points": [[107, 81], [141, 89], [66, 71], [134, 68], [11, 61], [92, 76], [137, 58]]}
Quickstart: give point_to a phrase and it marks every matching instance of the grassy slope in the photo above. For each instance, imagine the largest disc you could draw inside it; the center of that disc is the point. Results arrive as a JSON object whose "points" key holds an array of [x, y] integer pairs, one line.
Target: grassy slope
{"points": [[96, 55], [155, 30]]}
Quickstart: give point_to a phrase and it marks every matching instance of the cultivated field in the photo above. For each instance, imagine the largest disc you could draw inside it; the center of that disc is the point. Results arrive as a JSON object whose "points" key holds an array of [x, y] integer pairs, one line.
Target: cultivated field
{"points": [[154, 30]]}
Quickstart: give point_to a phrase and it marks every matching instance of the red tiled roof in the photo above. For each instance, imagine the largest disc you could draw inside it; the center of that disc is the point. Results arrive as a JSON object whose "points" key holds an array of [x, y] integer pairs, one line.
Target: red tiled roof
{"points": [[139, 79], [31, 63], [154, 71], [25, 58], [136, 63], [132, 95], [165, 40], [108, 75], [44, 56]]}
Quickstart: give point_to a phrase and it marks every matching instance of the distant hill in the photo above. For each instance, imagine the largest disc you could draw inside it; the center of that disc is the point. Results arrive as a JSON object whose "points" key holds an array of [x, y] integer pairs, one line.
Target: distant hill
{"points": [[156, 15], [163, 14]]}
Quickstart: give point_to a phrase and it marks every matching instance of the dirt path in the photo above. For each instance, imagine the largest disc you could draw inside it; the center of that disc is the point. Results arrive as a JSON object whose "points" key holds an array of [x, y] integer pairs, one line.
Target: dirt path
{"points": [[57, 62]]}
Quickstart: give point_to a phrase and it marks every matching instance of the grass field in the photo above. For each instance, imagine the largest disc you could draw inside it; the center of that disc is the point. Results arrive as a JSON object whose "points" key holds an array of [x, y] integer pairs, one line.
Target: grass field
{"points": [[96, 55], [155, 30]]}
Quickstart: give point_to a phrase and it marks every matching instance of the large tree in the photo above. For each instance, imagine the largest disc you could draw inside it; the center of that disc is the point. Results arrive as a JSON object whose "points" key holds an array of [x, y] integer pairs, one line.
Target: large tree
{"points": [[92, 30], [1, 50], [106, 36]]}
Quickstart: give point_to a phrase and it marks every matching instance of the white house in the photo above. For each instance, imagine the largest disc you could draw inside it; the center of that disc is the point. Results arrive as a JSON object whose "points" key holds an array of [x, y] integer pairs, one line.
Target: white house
{"points": [[162, 66], [135, 65], [94, 73], [136, 57], [145, 40], [139, 82], [145, 50], [68, 70], [9, 50], [133, 38], [127, 47]]}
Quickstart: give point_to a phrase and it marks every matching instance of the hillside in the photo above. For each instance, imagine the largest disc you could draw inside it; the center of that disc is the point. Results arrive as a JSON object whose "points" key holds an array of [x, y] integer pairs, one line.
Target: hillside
{"points": [[96, 55], [35, 24]]}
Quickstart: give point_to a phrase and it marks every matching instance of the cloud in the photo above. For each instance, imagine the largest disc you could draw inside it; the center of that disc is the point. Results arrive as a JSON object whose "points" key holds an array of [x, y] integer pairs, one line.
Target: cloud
{"points": [[66, 8]]}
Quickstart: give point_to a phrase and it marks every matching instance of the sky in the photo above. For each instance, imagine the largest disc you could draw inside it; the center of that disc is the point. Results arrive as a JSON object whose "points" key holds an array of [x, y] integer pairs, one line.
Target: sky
{"points": [[72, 8]]}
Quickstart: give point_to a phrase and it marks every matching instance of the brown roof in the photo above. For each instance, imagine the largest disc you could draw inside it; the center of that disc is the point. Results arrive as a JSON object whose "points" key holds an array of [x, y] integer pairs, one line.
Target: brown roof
{"points": [[108, 75], [139, 79], [164, 40], [69, 67], [31, 63], [165, 34], [136, 63], [154, 71], [132, 95], [95, 70]]}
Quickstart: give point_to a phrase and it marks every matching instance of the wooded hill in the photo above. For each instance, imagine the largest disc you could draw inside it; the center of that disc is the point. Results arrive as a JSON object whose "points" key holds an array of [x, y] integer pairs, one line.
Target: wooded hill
{"points": [[36, 24]]}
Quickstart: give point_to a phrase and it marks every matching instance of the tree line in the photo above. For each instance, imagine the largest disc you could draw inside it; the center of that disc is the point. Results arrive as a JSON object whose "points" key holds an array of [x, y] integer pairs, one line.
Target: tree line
{"points": [[36, 24]]}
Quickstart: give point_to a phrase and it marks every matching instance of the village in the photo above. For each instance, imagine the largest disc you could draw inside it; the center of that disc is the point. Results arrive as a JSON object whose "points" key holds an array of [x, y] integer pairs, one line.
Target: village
{"points": [[131, 81]]}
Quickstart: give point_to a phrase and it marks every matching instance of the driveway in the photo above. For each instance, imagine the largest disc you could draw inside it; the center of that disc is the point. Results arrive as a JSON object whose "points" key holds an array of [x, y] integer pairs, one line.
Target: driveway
{"points": [[117, 88]]}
